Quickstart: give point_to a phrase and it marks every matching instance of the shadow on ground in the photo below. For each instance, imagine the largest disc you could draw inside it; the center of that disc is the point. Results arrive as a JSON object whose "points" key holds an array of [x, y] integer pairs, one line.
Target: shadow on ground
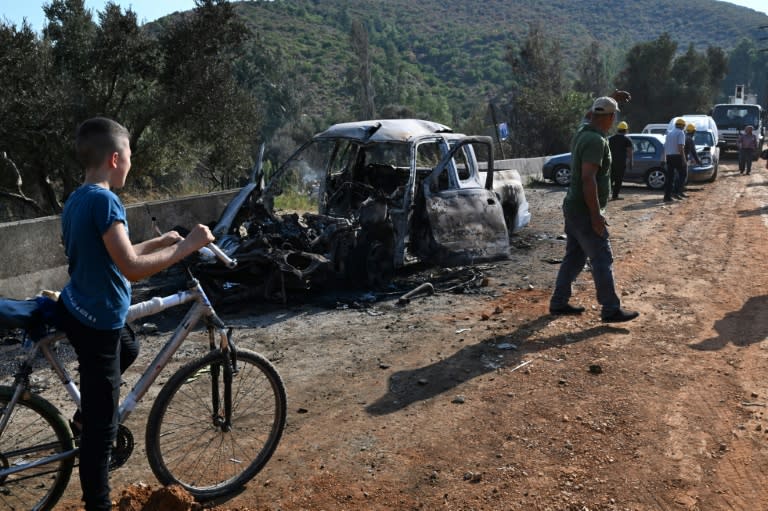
{"points": [[753, 212], [743, 327], [408, 387]]}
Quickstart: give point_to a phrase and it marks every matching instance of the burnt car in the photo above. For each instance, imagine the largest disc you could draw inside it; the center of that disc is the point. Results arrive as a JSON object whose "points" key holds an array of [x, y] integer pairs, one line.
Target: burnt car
{"points": [[368, 198]]}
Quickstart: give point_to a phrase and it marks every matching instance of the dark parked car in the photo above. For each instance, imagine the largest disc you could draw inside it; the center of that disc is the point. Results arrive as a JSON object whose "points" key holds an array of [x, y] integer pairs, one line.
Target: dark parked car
{"points": [[647, 163]]}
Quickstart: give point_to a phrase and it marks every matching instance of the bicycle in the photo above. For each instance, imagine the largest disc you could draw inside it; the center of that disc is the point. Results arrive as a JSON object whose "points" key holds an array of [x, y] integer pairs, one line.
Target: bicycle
{"points": [[214, 425]]}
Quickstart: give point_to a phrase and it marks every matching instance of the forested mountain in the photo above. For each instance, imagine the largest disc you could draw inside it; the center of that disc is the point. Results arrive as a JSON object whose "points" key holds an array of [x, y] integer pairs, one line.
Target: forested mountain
{"points": [[200, 90], [445, 58]]}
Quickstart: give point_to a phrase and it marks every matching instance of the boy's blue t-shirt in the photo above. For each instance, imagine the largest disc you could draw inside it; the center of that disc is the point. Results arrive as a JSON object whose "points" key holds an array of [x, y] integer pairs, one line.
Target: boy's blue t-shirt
{"points": [[97, 294]]}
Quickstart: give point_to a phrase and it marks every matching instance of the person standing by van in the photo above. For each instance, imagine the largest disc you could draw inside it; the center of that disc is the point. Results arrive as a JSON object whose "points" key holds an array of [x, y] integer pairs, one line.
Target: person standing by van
{"points": [[747, 145], [676, 173], [621, 157], [690, 148]]}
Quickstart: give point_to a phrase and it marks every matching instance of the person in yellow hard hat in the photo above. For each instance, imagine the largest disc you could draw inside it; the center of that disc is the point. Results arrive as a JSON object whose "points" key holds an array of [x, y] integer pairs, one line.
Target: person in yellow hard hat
{"points": [[691, 156], [621, 157]]}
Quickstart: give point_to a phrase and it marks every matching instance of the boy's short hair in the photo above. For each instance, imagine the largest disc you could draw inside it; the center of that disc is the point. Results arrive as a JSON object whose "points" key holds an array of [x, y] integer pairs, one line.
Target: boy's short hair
{"points": [[96, 139]]}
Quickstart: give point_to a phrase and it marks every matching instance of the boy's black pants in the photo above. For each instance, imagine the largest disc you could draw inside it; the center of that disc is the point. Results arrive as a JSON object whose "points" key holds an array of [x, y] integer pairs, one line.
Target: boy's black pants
{"points": [[99, 356]]}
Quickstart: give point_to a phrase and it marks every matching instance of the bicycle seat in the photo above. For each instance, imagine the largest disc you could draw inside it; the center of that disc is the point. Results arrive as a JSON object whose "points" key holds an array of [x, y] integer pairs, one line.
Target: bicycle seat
{"points": [[32, 315]]}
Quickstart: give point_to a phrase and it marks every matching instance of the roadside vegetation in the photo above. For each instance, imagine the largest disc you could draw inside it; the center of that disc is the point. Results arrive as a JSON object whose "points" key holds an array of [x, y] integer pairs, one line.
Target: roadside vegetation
{"points": [[201, 90]]}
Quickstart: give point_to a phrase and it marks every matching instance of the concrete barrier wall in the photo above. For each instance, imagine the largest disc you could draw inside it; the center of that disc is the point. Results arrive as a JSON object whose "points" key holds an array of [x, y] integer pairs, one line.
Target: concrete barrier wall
{"points": [[529, 168], [33, 257]]}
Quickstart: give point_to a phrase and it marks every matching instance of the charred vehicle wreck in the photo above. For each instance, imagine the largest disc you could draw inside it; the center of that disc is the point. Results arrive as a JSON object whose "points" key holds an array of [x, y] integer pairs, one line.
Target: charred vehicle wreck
{"points": [[375, 196]]}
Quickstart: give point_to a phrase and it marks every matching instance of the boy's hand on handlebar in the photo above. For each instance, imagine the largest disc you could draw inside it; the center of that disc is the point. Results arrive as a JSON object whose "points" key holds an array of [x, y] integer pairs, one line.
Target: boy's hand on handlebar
{"points": [[170, 238], [198, 237]]}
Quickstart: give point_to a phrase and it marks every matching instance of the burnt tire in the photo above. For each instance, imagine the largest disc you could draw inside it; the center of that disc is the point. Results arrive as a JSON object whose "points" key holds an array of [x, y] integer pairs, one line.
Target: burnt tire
{"points": [[371, 263], [379, 268]]}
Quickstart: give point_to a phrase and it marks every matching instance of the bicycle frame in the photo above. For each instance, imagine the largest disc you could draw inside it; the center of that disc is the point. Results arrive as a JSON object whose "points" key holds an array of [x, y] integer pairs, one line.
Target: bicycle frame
{"points": [[202, 308]]}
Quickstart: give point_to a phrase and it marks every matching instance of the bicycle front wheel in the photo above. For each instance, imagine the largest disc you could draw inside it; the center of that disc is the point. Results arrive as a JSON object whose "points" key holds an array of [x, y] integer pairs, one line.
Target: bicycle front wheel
{"points": [[189, 442], [35, 431]]}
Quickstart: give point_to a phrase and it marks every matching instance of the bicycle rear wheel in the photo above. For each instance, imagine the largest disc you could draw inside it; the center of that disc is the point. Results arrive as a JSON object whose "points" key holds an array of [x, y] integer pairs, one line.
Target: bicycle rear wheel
{"points": [[35, 430], [187, 443]]}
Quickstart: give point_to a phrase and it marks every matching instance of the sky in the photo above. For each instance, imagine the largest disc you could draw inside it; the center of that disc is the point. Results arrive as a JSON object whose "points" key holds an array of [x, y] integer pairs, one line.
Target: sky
{"points": [[149, 10], [146, 10], [758, 5]]}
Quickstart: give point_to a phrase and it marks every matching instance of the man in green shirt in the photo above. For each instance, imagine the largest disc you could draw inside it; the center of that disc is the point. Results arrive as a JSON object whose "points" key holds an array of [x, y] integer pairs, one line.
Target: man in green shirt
{"points": [[585, 225]]}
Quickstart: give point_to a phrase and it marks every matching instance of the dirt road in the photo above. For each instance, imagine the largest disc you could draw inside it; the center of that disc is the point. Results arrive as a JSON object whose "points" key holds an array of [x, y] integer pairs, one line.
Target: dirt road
{"points": [[482, 401]]}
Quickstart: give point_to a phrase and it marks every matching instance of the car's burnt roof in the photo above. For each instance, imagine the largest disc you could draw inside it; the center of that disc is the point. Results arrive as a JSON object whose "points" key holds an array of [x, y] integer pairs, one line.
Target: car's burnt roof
{"points": [[384, 130]]}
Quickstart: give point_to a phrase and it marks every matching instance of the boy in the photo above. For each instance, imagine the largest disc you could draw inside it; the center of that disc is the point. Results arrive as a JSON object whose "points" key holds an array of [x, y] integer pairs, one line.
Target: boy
{"points": [[94, 304]]}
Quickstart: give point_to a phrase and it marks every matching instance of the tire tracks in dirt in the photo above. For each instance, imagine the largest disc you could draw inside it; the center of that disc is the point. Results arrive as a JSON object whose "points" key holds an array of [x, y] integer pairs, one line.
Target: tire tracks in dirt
{"points": [[713, 259]]}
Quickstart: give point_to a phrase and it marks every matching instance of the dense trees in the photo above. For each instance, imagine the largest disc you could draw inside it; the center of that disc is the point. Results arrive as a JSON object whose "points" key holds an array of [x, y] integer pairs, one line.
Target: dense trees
{"points": [[358, 39], [665, 84], [200, 90], [190, 116], [748, 66], [542, 110]]}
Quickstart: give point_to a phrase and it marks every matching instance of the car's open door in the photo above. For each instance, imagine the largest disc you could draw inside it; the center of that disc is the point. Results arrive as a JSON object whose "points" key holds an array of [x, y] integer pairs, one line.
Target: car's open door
{"points": [[466, 219]]}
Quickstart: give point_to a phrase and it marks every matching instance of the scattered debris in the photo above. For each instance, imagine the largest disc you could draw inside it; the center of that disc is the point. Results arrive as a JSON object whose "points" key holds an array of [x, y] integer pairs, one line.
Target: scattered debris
{"points": [[522, 364], [473, 477], [595, 369], [426, 287]]}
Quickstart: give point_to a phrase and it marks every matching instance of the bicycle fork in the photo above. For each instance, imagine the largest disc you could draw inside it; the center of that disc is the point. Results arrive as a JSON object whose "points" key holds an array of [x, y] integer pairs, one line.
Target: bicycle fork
{"points": [[223, 373]]}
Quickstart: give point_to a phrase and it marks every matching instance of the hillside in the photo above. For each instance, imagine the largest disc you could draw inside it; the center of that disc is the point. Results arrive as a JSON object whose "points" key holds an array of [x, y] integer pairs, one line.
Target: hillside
{"points": [[449, 56]]}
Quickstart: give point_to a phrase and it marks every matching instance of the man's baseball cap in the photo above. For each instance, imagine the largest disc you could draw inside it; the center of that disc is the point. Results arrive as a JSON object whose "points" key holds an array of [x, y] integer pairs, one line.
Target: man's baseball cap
{"points": [[605, 105]]}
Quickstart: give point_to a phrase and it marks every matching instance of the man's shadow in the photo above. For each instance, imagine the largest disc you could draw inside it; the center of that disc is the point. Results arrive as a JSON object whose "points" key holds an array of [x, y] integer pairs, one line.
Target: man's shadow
{"points": [[753, 212], [408, 387], [743, 327]]}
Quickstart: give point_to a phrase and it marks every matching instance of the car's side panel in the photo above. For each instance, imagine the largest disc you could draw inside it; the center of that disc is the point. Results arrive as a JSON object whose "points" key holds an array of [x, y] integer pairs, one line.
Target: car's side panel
{"points": [[466, 225]]}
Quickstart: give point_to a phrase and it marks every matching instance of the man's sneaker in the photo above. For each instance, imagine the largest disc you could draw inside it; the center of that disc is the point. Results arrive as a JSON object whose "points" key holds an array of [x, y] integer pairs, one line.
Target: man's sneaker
{"points": [[667, 199], [620, 316], [566, 309], [683, 195], [678, 196]]}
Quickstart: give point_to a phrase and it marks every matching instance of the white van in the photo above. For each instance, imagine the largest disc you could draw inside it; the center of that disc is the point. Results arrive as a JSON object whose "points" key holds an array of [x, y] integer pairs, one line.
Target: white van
{"points": [[705, 138], [701, 121], [655, 129]]}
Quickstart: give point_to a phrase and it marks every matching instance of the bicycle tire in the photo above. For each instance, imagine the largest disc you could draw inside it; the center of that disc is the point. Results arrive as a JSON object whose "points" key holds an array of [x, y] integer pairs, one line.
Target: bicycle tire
{"points": [[35, 429], [185, 447]]}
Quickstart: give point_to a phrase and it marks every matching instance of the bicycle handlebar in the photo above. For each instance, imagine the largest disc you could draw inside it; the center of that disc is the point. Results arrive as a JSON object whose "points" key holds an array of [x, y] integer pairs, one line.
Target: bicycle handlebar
{"points": [[212, 250]]}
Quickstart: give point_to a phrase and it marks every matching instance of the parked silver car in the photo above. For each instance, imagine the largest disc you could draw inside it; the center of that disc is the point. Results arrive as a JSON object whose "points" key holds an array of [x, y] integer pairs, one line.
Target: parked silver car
{"points": [[647, 163]]}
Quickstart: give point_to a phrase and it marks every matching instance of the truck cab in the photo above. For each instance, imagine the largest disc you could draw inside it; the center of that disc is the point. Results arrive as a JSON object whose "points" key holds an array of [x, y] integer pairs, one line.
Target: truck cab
{"points": [[732, 118]]}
